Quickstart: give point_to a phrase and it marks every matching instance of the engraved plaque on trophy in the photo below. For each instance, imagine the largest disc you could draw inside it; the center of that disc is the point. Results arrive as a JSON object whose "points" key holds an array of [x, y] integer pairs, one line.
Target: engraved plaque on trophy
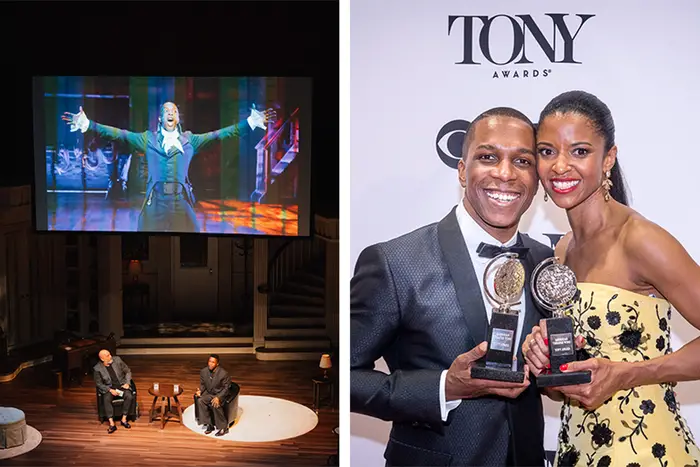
{"points": [[555, 289], [508, 283]]}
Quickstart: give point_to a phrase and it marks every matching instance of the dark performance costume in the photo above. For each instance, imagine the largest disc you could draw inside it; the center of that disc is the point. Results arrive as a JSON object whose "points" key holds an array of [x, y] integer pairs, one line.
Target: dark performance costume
{"points": [[169, 202]]}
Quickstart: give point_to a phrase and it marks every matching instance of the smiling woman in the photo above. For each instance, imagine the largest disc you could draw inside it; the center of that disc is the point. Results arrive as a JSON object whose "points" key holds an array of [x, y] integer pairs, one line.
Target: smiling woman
{"points": [[630, 274], [576, 128]]}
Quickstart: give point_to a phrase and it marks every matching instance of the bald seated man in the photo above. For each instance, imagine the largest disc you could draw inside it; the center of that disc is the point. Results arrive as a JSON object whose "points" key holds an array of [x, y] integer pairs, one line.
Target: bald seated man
{"points": [[112, 377]]}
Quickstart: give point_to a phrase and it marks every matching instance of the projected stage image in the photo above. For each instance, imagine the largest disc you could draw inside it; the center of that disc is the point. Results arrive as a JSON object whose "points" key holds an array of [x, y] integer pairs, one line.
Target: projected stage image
{"points": [[224, 155]]}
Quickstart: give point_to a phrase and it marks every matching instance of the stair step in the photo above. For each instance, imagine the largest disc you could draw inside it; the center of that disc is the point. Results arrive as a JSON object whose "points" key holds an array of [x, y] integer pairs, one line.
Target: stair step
{"points": [[301, 288], [296, 311], [317, 266], [296, 299], [296, 322], [309, 279], [311, 354], [315, 332], [184, 346], [175, 341], [186, 349], [297, 342]]}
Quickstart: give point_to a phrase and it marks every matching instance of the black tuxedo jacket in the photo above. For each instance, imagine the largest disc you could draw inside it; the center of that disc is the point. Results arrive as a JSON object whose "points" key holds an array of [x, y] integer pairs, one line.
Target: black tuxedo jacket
{"points": [[416, 302]]}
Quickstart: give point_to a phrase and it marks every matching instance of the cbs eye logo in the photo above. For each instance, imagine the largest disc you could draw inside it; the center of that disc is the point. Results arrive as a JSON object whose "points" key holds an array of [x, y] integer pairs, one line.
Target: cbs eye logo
{"points": [[448, 143]]}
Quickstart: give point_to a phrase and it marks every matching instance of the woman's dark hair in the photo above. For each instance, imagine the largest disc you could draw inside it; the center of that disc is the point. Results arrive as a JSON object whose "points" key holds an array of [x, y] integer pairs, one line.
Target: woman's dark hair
{"points": [[595, 110]]}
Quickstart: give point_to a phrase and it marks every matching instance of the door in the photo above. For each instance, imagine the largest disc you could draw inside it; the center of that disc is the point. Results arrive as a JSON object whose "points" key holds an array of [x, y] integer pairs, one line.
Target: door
{"points": [[195, 278]]}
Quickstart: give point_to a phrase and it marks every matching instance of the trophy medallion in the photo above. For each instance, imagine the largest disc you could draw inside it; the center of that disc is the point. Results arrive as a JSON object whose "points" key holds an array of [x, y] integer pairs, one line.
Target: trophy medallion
{"points": [[555, 289]]}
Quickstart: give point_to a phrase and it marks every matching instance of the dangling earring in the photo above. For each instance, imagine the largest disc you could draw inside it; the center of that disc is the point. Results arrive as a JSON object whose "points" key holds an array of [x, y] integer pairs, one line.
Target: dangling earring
{"points": [[546, 198], [607, 184]]}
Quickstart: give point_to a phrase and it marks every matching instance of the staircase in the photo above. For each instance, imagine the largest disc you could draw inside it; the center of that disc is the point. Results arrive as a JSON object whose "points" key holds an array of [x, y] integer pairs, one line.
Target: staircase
{"points": [[296, 321], [281, 138]]}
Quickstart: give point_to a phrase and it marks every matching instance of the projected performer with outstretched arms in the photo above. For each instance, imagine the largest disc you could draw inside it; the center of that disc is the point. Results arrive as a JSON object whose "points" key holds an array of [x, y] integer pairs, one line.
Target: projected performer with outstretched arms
{"points": [[169, 204]]}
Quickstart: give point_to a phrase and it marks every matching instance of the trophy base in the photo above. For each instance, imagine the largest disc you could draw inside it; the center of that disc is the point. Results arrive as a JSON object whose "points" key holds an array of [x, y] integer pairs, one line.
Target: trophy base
{"points": [[507, 375], [563, 379]]}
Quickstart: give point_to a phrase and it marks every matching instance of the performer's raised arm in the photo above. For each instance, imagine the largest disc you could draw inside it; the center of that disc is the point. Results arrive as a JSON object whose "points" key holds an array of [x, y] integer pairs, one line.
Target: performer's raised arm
{"points": [[80, 122], [256, 119]]}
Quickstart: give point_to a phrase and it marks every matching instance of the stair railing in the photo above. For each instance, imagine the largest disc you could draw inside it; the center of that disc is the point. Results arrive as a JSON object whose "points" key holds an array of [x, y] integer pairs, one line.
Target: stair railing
{"points": [[268, 168]]}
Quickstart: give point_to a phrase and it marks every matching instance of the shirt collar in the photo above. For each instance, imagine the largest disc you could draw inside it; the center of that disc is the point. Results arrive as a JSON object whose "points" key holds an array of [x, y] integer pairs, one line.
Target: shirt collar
{"points": [[474, 234], [169, 134]]}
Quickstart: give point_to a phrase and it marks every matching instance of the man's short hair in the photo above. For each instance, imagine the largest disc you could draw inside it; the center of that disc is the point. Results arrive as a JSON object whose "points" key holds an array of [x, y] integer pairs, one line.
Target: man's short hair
{"points": [[215, 356], [495, 112]]}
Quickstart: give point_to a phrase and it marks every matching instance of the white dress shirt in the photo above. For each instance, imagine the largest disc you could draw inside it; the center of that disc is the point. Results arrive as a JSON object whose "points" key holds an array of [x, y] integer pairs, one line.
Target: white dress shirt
{"points": [[473, 235], [170, 139]]}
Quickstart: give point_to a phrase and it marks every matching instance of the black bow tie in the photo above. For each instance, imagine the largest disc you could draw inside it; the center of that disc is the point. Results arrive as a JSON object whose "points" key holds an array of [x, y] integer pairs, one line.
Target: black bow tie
{"points": [[486, 250]]}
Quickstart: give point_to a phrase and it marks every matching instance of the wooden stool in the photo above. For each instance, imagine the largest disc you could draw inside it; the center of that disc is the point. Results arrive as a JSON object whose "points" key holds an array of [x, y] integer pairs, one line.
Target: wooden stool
{"points": [[320, 383]]}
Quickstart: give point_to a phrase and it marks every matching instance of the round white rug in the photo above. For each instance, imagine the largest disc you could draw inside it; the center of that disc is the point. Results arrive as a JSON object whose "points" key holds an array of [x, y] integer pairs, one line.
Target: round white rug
{"points": [[33, 440], [262, 419]]}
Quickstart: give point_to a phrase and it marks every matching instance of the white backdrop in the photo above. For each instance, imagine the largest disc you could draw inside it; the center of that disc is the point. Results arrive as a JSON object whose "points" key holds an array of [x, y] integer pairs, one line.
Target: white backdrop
{"points": [[642, 58]]}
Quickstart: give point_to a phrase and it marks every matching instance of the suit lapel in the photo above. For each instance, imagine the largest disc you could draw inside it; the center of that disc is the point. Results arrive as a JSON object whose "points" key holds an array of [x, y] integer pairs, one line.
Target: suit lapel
{"points": [[156, 142], [466, 284]]}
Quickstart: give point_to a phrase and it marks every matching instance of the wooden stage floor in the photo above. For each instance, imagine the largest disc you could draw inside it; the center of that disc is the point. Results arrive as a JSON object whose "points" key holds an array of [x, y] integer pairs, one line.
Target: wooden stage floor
{"points": [[72, 435], [92, 212]]}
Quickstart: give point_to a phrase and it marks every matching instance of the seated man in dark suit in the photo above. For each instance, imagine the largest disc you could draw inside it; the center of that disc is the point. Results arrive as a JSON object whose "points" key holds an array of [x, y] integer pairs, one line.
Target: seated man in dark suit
{"points": [[112, 377], [214, 382]]}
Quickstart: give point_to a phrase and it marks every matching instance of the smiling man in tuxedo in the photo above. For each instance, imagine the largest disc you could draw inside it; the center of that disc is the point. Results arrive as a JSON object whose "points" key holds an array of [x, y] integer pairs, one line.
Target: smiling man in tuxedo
{"points": [[169, 202], [418, 302]]}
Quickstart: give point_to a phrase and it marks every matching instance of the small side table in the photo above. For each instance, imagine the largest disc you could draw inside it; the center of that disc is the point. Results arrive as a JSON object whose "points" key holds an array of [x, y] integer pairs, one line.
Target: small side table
{"points": [[319, 385], [165, 392]]}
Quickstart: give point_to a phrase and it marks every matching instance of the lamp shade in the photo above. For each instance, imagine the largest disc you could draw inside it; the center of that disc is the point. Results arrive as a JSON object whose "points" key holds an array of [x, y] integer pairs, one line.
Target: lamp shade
{"points": [[325, 361], [134, 267]]}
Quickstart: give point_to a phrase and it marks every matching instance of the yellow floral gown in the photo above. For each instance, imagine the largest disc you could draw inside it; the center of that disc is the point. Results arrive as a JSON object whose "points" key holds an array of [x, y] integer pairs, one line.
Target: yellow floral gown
{"points": [[638, 427]]}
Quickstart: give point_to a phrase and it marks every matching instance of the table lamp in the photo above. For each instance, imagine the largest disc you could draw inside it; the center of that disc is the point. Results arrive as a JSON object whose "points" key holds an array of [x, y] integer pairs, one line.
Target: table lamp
{"points": [[325, 364], [135, 269]]}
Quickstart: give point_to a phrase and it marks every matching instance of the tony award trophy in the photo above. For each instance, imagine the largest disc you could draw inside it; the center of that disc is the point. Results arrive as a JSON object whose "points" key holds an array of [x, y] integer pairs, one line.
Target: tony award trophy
{"points": [[555, 289], [509, 280]]}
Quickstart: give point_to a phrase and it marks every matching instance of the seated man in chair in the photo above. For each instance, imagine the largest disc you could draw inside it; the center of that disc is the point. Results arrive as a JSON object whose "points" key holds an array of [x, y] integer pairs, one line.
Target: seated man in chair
{"points": [[214, 384], [112, 377]]}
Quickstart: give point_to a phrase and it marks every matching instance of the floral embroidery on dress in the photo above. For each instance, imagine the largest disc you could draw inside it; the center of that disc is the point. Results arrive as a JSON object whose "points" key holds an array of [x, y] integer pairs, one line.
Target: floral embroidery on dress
{"points": [[682, 428], [647, 407], [635, 424], [632, 339]]}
